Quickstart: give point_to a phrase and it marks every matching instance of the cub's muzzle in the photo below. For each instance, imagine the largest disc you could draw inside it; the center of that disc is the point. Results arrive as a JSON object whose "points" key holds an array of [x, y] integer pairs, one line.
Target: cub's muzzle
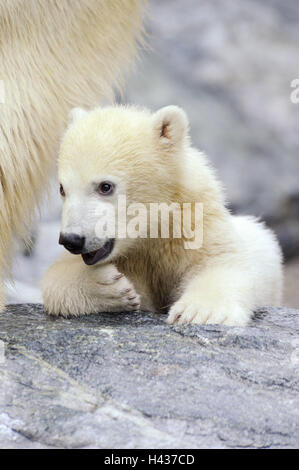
{"points": [[72, 242]]}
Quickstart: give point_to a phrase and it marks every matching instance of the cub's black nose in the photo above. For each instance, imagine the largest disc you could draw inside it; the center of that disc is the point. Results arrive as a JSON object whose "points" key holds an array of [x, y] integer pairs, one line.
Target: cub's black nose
{"points": [[72, 242]]}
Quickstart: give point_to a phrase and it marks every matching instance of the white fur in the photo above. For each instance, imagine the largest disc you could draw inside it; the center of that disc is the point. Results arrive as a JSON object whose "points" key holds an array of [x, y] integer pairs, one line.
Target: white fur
{"points": [[239, 266], [54, 55]]}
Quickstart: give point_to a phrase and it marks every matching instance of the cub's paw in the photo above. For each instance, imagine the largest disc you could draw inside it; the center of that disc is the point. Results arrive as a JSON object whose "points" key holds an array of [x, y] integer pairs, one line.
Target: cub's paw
{"points": [[112, 291], [72, 289], [202, 311]]}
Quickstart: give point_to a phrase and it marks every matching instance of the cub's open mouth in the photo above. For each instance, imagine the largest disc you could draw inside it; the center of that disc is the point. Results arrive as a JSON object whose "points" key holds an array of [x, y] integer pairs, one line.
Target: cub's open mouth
{"points": [[94, 256]]}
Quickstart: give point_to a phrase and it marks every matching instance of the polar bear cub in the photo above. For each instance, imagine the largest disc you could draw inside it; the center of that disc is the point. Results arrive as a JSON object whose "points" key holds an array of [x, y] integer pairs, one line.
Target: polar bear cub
{"points": [[210, 267]]}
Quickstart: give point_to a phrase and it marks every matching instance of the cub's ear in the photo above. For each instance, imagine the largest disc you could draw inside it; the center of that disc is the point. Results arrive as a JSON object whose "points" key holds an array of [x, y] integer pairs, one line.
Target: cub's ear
{"points": [[170, 125], [75, 115]]}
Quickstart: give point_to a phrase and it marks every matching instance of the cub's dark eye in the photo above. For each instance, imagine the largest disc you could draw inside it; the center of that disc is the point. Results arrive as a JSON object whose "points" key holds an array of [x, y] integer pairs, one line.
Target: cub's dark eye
{"points": [[61, 190], [106, 188]]}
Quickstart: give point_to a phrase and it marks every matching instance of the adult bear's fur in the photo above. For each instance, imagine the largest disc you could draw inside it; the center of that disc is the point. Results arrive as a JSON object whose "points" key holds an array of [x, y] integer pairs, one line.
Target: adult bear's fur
{"points": [[54, 54]]}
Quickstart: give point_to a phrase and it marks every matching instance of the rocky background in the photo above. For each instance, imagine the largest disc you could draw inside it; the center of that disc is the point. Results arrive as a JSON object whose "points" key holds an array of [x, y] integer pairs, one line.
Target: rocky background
{"points": [[130, 380], [230, 67]]}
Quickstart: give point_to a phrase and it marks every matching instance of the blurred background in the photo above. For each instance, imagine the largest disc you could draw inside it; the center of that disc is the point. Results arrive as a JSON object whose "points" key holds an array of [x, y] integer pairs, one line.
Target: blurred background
{"points": [[230, 66]]}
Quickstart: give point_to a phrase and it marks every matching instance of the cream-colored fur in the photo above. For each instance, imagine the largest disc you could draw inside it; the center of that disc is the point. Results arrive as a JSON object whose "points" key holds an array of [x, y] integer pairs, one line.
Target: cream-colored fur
{"points": [[54, 55], [149, 158], [88, 290]]}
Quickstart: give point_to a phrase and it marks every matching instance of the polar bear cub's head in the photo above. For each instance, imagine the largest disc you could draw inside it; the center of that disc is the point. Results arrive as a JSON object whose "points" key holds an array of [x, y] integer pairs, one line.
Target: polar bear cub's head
{"points": [[111, 159]]}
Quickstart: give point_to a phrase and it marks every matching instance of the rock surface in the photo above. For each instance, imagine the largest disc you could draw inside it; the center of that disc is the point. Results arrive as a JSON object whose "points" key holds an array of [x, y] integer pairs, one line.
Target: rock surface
{"points": [[131, 381]]}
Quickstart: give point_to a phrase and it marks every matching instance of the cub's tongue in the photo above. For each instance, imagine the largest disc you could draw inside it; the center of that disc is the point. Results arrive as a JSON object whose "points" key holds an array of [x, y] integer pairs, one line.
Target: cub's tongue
{"points": [[94, 256]]}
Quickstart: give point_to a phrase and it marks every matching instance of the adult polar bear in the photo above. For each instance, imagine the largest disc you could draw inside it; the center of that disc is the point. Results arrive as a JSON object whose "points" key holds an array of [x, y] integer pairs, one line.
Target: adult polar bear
{"points": [[116, 152], [54, 55]]}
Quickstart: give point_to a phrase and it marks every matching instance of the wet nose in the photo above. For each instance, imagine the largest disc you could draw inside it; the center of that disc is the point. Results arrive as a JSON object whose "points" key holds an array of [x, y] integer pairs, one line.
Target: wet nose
{"points": [[72, 242]]}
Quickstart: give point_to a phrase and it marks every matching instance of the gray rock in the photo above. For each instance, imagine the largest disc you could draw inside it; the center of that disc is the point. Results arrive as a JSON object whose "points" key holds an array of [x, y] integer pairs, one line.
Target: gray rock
{"points": [[130, 380]]}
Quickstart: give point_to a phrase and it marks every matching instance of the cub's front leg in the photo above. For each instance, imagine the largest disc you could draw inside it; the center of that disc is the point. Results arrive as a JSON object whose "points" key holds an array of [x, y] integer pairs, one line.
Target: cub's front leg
{"points": [[217, 295], [72, 288]]}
